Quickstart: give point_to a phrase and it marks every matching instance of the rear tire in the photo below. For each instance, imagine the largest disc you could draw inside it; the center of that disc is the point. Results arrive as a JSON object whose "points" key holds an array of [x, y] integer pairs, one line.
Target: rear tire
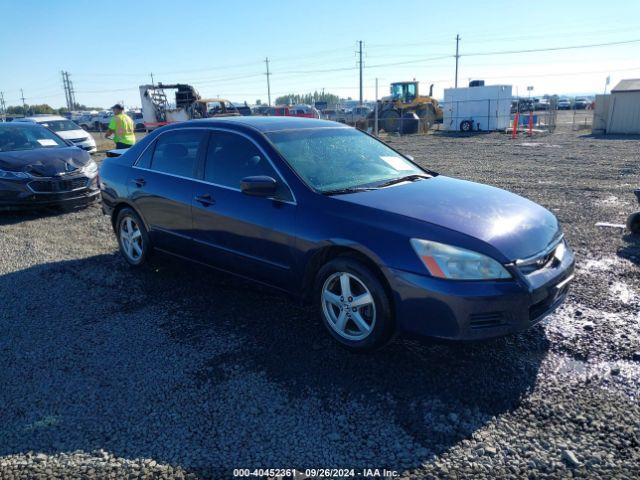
{"points": [[633, 223], [133, 238], [353, 304]]}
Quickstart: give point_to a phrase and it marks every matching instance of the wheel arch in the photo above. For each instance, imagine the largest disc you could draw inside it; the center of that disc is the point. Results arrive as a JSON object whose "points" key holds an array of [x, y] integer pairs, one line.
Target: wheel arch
{"points": [[118, 208], [326, 253]]}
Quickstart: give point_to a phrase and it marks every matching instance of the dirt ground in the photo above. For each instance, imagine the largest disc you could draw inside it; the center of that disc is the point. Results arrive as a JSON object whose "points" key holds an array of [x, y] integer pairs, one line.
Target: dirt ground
{"points": [[180, 372]]}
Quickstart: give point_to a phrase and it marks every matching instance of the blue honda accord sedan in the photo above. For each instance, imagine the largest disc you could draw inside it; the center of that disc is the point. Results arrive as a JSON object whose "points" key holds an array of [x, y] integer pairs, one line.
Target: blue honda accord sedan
{"points": [[336, 217]]}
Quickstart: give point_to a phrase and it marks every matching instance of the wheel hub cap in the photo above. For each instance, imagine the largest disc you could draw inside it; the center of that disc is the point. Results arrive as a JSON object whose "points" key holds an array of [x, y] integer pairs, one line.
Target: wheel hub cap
{"points": [[348, 306], [131, 238]]}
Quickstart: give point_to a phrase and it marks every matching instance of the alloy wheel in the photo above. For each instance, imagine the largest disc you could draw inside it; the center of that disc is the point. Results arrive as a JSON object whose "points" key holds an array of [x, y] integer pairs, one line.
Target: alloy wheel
{"points": [[348, 306], [131, 239]]}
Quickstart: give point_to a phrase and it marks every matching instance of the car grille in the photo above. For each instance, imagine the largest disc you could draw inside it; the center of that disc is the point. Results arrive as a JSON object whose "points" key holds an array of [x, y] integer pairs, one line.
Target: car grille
{"points": [[541, 262], [58, 186], [79, 140], [545, 259], [479, 321]]}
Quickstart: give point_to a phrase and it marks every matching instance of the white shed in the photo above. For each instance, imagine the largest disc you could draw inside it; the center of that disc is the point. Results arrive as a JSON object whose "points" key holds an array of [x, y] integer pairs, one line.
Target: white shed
{"points": [[486, 107], [624, 108]]}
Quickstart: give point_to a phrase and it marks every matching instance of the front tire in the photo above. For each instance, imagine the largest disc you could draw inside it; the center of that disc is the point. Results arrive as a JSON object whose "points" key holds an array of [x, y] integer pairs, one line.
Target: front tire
{"points": [[133, 238], [353, 304], [466, 126]]}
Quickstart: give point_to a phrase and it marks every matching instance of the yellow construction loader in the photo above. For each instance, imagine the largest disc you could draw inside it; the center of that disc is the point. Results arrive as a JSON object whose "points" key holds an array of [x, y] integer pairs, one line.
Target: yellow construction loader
{"points": [[406, 111]]}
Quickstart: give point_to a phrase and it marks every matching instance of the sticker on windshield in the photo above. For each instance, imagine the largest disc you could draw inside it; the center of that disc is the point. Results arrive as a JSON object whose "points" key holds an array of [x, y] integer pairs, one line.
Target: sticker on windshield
{"points": [[47, 142], [396, 163]]}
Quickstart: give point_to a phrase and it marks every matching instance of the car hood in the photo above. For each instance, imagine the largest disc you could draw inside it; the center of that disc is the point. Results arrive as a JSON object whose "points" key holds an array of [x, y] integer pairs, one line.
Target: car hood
{"points": [[73, 134], [517, 227], [45, 162]]}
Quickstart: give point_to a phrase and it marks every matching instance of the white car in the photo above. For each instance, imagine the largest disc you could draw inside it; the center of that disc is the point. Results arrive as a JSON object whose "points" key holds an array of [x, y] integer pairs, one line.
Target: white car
{"points": [[66, 129]]}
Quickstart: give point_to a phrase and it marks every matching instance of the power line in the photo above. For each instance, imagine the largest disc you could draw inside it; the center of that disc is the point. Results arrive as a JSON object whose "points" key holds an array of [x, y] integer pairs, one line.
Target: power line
{"points": [[550, 49]]}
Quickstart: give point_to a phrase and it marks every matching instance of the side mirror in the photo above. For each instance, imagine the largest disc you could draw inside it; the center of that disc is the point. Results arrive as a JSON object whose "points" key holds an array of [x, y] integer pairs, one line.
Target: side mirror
{"points": [[259, 186]]}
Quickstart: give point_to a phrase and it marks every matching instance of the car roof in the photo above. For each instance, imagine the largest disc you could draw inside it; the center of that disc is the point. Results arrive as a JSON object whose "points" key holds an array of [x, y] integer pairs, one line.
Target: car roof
{"points": [[44, 118], [16, 123], [266, 124]]}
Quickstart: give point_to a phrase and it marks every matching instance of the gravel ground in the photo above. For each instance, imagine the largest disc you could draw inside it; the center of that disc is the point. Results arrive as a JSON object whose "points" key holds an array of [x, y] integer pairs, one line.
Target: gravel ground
{"points": [[179, 372]]}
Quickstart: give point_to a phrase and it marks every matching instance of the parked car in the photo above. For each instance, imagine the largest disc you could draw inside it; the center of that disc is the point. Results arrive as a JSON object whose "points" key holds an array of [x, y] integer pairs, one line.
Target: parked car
{"points": [[336, 217], [302, 110], [278, 111], [99, 121], [336, 115], [243, 108], [564, 104], [580, 103], [138, 120], [542, 104], [66, 129], [260, 110], [40, 168]]}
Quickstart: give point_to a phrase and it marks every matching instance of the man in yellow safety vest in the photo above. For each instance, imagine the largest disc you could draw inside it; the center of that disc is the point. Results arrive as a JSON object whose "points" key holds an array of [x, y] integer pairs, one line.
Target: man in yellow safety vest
{"points": [[121, 127]]}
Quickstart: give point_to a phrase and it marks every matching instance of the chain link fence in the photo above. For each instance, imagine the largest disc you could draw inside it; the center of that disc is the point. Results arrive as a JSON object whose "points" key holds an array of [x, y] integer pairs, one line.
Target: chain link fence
{"points": [[460, 116], [582, 120]]}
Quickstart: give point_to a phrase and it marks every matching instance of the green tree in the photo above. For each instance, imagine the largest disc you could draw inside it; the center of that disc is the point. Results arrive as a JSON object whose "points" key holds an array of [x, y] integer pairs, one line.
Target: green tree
{"points": [[308, 98], [31, 109]]}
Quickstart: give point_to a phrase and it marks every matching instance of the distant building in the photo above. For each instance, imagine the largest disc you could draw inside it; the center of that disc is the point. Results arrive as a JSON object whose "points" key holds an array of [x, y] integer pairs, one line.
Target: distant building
{"points": [[619, 112]]}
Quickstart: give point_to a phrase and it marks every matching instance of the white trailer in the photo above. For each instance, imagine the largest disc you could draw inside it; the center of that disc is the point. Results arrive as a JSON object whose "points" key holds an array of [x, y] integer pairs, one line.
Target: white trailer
{"points": [[482, 108]]}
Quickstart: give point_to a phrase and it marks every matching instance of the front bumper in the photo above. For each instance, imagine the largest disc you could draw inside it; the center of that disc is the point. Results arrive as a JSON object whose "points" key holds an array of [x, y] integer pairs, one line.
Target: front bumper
{"points": [[89, 145], [24, 195], [473, 310]]}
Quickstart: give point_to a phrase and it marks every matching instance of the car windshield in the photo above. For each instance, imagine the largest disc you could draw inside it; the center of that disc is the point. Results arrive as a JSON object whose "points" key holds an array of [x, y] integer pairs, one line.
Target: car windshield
{"points": [[340, 158], [14, 138], [60, 125]]}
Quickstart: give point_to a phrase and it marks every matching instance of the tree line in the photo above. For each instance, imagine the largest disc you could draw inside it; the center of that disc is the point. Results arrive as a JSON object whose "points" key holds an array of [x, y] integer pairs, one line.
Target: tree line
{"points": [[307, 98], [42, 108]]}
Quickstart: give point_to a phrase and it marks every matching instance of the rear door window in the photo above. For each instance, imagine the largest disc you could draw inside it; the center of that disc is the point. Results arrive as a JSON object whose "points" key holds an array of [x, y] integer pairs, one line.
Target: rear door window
{"points": [[176, 152]]}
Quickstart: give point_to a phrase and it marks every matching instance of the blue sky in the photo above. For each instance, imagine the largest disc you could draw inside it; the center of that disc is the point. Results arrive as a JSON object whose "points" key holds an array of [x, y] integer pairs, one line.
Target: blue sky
{"points": [[220, 46]]}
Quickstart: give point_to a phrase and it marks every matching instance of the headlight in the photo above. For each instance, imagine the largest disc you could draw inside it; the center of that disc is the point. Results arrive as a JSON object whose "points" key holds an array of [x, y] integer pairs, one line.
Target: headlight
{"points": [[8, 175], [90, 168], [454, 263]]}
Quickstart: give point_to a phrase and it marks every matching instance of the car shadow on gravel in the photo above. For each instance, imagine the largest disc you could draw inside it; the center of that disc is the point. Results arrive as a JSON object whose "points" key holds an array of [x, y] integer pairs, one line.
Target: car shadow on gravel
{"points": [[235, 375], [12, 217], [631, 250]]}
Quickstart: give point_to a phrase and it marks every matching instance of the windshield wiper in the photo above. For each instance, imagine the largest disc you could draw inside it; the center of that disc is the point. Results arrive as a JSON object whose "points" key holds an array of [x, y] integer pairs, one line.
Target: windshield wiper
{"points": [[342, 191], [406, 178]]}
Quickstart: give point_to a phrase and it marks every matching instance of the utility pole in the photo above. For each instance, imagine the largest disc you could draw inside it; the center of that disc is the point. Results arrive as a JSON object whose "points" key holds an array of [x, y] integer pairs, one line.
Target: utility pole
{"points": [[457, 57], [3, 107], [360, 62], [266, 61], [375, 127], [69, 94], [72, 93], [65, 86], [152, 84], [24, 105]]}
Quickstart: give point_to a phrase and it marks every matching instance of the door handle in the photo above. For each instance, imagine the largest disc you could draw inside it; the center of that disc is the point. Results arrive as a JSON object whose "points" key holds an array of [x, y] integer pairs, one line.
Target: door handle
{"points": [[205, 200], [139, 182]]}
